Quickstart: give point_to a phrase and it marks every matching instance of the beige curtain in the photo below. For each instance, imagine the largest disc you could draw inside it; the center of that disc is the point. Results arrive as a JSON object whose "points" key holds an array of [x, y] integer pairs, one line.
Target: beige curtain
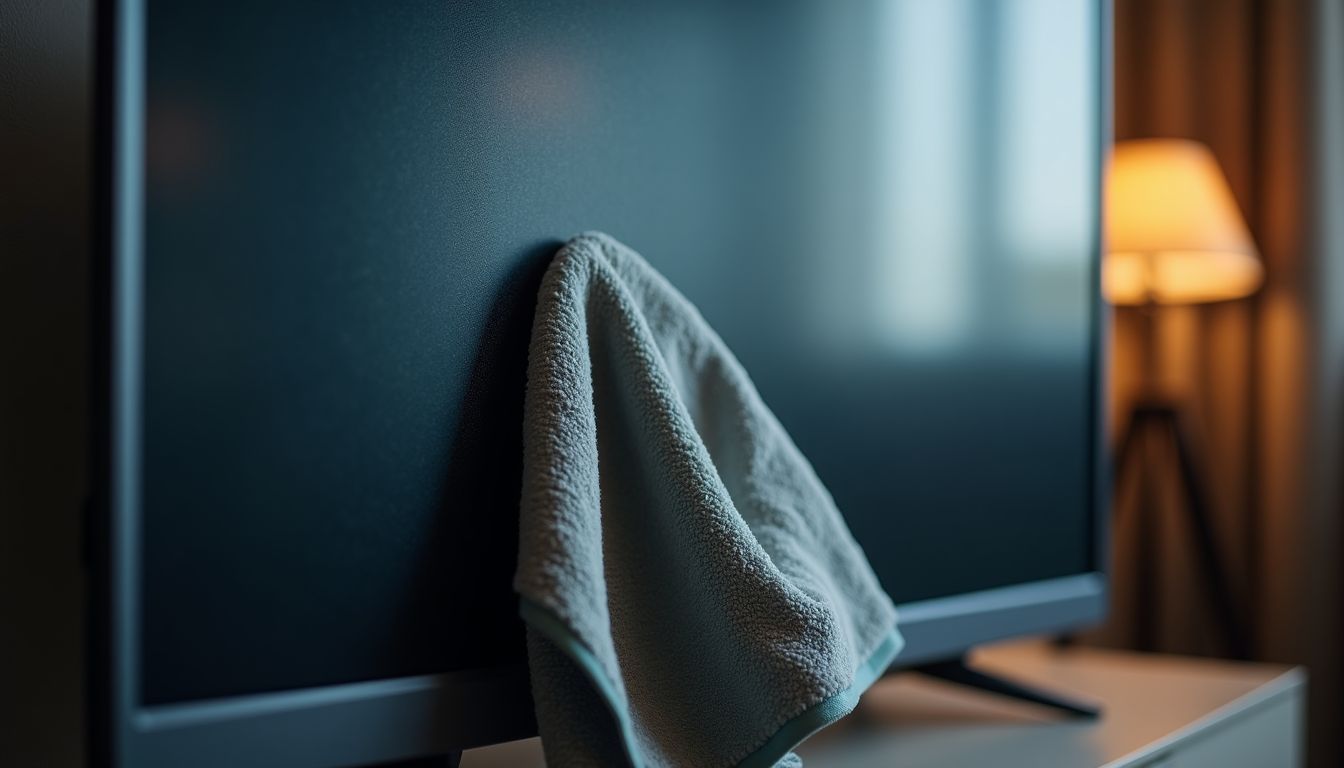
{"points": [[1247, 79]]}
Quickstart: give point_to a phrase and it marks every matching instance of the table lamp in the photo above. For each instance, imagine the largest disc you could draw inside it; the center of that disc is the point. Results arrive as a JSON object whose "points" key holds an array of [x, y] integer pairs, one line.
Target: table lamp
{"points": [[1174, 236]]}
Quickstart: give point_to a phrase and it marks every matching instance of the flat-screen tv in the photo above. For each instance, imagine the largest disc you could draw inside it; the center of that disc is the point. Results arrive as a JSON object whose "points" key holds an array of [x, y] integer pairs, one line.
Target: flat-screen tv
{"points": [[322, 228]]}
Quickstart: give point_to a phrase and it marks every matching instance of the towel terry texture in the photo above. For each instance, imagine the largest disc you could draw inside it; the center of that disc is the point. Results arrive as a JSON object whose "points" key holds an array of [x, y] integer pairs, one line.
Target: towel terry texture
{"points": [[691, 593]]}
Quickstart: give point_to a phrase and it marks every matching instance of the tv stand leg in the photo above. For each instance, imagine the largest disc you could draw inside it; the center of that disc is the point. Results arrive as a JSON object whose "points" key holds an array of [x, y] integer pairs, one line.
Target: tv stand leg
{"points": [[957, 671]]}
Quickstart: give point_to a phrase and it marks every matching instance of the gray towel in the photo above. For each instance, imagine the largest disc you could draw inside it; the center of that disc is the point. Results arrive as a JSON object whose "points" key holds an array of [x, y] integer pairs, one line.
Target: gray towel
{"points": [[692, 595]]}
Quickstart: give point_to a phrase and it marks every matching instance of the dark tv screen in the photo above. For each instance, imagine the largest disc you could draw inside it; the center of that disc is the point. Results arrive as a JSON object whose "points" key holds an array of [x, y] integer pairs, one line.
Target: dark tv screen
{"points": [[887, 209]]}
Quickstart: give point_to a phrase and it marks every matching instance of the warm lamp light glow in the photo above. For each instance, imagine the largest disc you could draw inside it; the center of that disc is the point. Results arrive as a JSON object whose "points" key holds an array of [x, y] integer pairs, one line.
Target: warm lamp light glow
{"points": [[1174, 232]]}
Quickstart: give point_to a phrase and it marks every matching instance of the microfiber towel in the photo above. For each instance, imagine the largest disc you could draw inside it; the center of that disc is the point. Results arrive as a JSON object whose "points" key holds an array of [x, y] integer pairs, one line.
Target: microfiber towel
{"points": [[691, 593]]}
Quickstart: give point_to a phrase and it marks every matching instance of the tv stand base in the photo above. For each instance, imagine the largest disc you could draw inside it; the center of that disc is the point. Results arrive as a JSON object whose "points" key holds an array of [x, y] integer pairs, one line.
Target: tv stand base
{"points": [[957, 671], [450, 760]]}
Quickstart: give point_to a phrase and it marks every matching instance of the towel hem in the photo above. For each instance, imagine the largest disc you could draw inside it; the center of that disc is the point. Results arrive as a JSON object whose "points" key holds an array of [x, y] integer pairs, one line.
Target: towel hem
{"points": [[828, 710], [789, 735], [542, 620]]}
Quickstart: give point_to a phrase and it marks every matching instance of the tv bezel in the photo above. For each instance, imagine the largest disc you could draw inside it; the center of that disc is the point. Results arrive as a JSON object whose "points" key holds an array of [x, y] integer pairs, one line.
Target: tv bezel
{"points": [[394, 719]]}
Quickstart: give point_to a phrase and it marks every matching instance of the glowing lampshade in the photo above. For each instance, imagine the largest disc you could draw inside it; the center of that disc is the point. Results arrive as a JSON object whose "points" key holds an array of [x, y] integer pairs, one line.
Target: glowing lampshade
{"points": [[1174, 232]]}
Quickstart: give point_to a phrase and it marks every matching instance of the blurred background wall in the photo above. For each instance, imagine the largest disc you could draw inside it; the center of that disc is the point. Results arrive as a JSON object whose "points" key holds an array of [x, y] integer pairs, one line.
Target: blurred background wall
{"points": [[45, 143], [1260, 82]]}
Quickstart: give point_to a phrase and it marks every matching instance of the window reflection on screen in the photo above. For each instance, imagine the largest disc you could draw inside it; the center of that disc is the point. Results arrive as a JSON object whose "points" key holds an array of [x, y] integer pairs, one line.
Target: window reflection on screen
{"points": [[977, 206]]}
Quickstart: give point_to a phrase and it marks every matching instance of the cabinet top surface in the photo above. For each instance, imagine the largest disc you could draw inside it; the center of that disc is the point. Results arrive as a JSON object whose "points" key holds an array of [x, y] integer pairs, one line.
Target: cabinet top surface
{"points": [[1147, 700], [915, 722]]}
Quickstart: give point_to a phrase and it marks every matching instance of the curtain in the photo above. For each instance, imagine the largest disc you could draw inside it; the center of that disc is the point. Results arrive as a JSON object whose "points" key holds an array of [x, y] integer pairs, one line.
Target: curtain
{"points": [[1254, 81]]}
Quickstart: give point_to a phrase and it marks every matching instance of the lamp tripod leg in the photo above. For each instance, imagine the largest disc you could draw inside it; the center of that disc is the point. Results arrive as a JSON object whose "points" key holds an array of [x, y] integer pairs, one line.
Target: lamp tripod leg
{"points": [[1215, 572], [1128, 458]]}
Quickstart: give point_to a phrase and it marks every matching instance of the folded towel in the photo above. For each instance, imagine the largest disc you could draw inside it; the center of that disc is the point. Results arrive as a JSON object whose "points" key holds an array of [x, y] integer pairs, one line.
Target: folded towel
{"points": [[692, 595]]}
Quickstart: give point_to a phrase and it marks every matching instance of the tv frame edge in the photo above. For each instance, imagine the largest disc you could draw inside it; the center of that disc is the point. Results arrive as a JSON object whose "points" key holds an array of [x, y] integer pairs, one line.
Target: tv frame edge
{"points": [[395, 719]]}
